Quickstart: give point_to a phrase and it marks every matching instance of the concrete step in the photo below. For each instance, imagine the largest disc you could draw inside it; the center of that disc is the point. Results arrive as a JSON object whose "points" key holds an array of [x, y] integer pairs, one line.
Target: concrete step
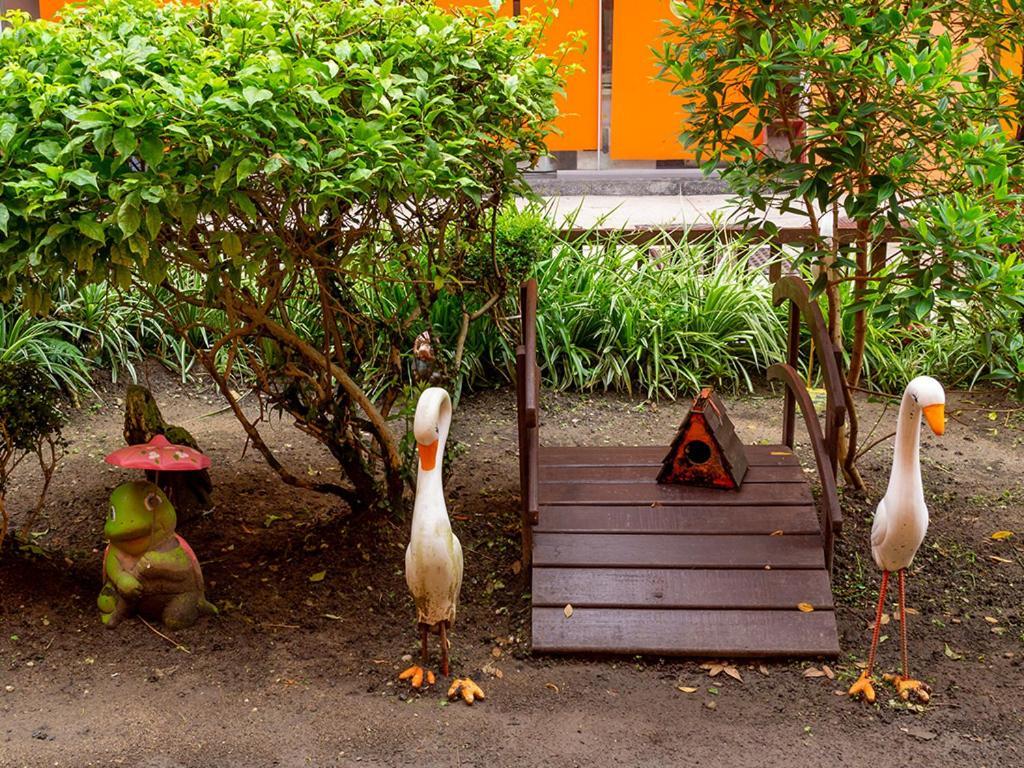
{"points": [[627, 183]]}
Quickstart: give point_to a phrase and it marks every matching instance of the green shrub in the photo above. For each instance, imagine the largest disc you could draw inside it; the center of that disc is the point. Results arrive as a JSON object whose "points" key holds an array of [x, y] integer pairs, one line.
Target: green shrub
{"points": [[521, 239], [30, 424], [264, 172]]}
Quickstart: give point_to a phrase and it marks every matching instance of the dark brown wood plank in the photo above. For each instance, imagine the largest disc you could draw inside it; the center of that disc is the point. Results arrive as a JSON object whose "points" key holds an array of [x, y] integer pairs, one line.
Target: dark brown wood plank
{"points": [[686, 632], [649, 455], [648, 474], [710, 520], [642, 550], [674, 588], [635, 494]]}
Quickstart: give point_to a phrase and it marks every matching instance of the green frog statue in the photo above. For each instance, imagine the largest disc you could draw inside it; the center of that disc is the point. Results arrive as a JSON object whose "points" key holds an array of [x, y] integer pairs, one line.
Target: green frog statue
{"points": [[148, 569]]}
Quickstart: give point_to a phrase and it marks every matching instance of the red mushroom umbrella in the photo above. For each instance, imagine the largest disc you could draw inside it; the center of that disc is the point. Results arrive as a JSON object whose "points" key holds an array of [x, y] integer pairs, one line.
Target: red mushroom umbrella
{"points": [[159, 455]]}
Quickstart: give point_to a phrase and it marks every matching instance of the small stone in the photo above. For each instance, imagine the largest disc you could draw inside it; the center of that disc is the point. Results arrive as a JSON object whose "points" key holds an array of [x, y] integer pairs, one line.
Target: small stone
{"points": [[711, 704], [9, 688]]}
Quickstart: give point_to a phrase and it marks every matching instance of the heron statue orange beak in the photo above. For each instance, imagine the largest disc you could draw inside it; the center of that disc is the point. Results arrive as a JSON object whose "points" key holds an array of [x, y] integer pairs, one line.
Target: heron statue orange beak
{"points": [[935, 415]]}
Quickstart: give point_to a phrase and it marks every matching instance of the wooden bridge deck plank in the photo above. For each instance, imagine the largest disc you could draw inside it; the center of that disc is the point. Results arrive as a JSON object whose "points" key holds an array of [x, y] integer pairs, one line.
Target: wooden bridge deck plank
{"points": [[686, 632], [678, 588], [644, 550], [708, 520]]}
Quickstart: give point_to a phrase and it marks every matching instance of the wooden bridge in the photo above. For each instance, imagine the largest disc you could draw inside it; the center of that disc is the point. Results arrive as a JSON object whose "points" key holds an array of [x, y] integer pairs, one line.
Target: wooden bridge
{"points": [[675, 569]]}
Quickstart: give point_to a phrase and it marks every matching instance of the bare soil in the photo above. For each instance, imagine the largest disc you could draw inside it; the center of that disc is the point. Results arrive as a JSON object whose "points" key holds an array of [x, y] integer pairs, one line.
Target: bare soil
{"points": [[300, 672]]}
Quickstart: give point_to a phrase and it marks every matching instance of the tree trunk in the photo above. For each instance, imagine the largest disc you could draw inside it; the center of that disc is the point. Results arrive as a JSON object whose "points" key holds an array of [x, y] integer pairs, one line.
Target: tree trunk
{"points": [[189, 492], [4, 521], [849, 435]]}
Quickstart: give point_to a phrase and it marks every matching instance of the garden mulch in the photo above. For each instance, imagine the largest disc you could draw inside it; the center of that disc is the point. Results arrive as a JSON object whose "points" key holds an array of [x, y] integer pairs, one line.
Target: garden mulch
{"points": [[299, 669]]}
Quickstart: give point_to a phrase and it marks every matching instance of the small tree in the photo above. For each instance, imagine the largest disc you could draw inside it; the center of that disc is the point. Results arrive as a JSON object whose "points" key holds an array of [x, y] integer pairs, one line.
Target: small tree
{"points": [[292, 183], [30, 424], [901, 114]]}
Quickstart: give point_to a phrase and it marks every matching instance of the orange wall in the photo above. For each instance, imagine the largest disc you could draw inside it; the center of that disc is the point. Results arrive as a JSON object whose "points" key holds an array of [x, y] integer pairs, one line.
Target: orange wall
{"points": [[579, 118], [646, 118], [48, 8]]}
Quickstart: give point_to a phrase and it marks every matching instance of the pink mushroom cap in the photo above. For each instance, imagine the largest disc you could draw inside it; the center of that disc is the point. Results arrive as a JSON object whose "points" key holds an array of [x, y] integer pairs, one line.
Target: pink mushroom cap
{"points": [[161, 455]]}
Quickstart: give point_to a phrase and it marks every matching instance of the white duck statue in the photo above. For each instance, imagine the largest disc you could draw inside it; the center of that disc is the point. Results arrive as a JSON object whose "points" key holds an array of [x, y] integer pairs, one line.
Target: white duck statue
{"points": [[433, 559], [901, 521]]}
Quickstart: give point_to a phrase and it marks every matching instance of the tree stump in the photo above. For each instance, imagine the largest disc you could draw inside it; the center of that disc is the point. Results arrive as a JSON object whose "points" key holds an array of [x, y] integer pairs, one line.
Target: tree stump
{"points": [[189, 492]]}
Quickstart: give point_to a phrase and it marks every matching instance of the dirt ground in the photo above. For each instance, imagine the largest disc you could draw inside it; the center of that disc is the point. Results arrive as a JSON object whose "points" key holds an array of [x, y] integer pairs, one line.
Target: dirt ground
{"points": [[300, 672]]}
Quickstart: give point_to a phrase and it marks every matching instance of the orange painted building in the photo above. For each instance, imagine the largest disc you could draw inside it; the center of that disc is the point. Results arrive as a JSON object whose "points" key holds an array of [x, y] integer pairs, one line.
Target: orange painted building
{"points": [[614, 113]]}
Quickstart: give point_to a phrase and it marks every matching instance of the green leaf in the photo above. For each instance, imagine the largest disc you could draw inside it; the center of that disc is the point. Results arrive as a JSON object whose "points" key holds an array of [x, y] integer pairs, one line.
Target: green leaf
{"points": [[125, 142], [7, 131], [245, 169], [92, 229], [318, 576], [254, 96], [221, 175], [152, 151], [231, 245], [81, 177], [128, 220], [153, 221], [4, 218]]}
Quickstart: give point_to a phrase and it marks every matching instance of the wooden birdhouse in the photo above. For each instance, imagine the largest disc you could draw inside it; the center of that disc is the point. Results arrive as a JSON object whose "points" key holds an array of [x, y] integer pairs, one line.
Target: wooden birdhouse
{"points": [[706, 450]]}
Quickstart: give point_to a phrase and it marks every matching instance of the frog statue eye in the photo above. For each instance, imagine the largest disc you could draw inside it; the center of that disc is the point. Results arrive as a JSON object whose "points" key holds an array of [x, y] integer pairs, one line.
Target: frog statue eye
{"points": [[113, 512], [152, 501]]}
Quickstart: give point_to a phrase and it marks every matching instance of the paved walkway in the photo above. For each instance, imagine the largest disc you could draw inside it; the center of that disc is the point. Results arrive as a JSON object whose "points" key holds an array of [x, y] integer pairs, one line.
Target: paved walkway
{"points": [[649, 211]]}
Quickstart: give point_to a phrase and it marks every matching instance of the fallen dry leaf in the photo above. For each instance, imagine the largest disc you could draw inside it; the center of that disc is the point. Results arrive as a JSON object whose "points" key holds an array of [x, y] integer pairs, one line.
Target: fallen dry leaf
{"points": [[686, 689], [998, 559], [567, 610], [776, 533], [517, 567], [912, 611], [805, 607], [991, 619], [715, 668], [885, 620], [318, 576], [951, 653], [814, 672], [1000, 535], [496, 652], [763, 669], [552, 686], [828, 672]]}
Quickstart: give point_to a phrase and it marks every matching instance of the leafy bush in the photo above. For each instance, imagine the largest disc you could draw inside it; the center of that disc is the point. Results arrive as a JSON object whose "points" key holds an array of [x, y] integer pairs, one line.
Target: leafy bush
{"points": [[899, 115], [243, 162], [30, 424]]}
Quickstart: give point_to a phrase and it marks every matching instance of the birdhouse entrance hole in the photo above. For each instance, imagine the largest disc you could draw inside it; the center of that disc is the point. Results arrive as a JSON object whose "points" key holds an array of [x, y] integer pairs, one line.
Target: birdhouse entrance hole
{"points": [[697, 452]]}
